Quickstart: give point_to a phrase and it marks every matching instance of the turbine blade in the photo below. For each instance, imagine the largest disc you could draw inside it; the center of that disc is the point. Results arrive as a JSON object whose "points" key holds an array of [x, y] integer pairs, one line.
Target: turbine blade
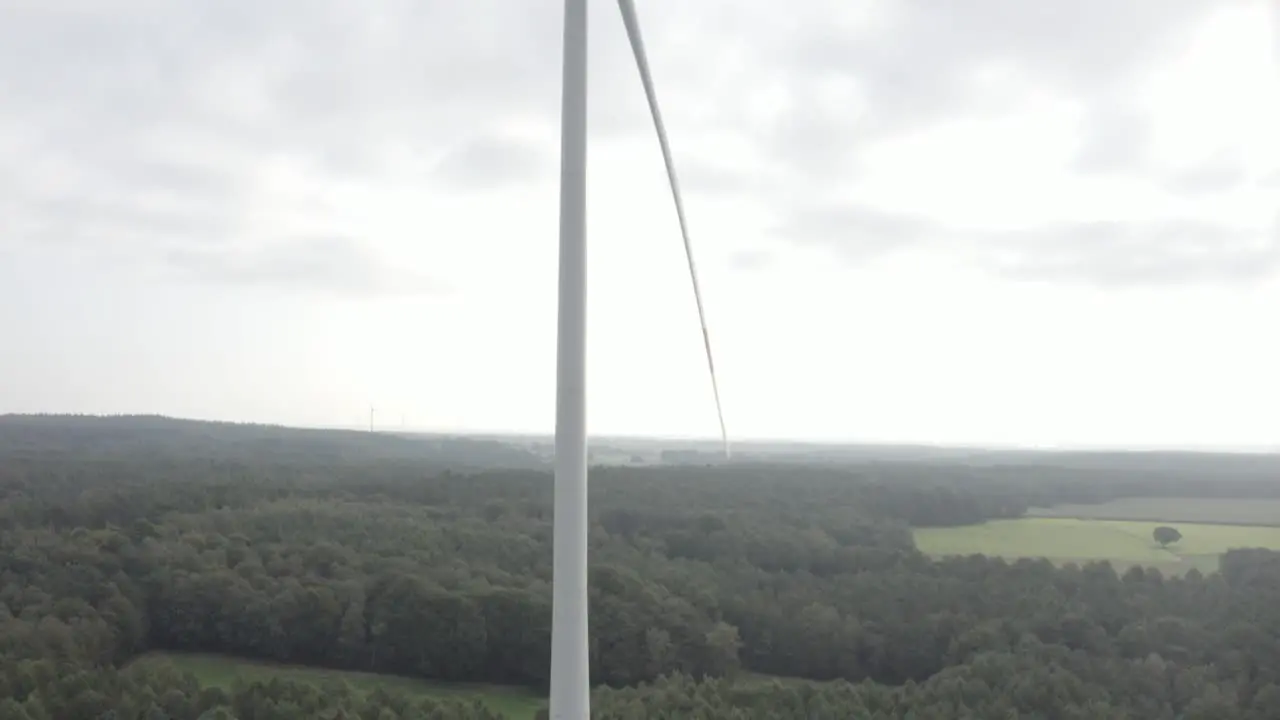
{"points": [[632, 23]]}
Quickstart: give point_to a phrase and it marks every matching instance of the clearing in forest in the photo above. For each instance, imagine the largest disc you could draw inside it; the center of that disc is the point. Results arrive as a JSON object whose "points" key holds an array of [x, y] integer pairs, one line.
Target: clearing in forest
{"points": [[1231, 511], [1124, 543], [222, 671]]}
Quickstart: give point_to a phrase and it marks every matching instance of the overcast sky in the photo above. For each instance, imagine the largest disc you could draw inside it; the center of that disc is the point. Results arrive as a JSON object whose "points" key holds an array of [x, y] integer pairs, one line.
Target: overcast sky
{"points": [[990, 221]]}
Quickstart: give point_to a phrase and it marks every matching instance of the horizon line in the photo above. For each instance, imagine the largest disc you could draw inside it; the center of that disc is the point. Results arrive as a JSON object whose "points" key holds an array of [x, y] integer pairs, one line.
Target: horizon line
{"points": [[548, 436]]}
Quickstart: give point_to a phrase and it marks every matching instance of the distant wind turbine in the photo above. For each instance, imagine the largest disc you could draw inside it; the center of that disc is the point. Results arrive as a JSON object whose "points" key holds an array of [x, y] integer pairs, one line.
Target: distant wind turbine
{"points": [[570, 671]]}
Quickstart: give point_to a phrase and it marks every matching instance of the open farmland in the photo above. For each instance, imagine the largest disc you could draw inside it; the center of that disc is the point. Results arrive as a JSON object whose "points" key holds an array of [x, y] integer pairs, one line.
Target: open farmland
{"points": [[1229, 511], [1123, 543]]}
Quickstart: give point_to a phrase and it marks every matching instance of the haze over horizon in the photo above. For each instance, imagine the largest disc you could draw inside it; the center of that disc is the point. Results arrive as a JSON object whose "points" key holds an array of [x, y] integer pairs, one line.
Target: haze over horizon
{"points": [[1008, 226]]}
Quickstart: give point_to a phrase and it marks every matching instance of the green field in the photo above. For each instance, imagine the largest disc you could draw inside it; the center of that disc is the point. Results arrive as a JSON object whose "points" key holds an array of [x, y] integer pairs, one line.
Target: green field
{"points": [[1229, 511], [1124, 543], [221, 671]]}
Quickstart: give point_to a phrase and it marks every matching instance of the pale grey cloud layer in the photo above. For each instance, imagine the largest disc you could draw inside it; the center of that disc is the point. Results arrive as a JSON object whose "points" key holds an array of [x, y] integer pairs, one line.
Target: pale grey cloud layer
{"points": [[1115, 140], [106, 102], [1104, 253], [133, 124], [858, 233], [491, 161], [925, 62], [1217, 175], [336, 264], [924, 65], [1125, 254]]}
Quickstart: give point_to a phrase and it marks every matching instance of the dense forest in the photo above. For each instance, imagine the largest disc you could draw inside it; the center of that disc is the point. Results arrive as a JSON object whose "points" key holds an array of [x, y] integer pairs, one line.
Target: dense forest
{"points": [[744, 590]]}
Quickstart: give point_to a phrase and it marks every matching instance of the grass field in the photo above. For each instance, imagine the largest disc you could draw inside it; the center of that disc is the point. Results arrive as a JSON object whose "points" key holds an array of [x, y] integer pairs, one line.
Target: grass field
{"points": [[1124, 543], [1232, 511], [222, 671]]}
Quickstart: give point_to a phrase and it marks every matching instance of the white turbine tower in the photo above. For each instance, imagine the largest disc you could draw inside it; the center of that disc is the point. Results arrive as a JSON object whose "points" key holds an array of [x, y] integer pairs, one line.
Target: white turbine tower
{"points": [[570, 671]]}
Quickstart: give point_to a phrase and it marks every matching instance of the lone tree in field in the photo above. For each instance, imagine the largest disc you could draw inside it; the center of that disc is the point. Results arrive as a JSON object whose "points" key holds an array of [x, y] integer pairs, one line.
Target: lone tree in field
{"points": [[1166, 535]]}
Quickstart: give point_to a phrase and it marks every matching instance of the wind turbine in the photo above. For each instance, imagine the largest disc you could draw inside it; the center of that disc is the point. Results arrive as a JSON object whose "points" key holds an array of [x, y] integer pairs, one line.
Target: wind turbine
{"points": [[570, 671]]}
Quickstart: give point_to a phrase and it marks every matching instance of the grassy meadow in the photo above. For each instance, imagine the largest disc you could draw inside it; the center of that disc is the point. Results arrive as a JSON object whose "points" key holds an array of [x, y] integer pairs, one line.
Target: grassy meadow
{"points": [[1221, 511], [1123, 542], [222, 671]]}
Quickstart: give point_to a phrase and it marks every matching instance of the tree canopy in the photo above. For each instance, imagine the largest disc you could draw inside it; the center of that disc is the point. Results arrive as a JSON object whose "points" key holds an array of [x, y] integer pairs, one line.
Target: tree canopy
{"points": [[1166, 535], [746, 590]]}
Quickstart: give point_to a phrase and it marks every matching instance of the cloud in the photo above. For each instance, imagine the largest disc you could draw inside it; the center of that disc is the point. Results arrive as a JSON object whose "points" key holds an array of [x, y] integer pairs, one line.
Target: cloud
{"points": [[913, 66], [708, 177], [140, 129], [1115, 140], [917, 63], [144, 126], [334, 264], [1217, 175], [492, 161], [857, 232], [1130, 254], [747, 260], [86, 221], [1104, 253]]}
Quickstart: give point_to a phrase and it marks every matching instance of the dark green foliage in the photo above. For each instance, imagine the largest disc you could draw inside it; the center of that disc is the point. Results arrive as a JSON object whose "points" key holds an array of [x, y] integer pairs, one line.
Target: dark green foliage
{"points": [[703, 579], [1166, 535]]}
